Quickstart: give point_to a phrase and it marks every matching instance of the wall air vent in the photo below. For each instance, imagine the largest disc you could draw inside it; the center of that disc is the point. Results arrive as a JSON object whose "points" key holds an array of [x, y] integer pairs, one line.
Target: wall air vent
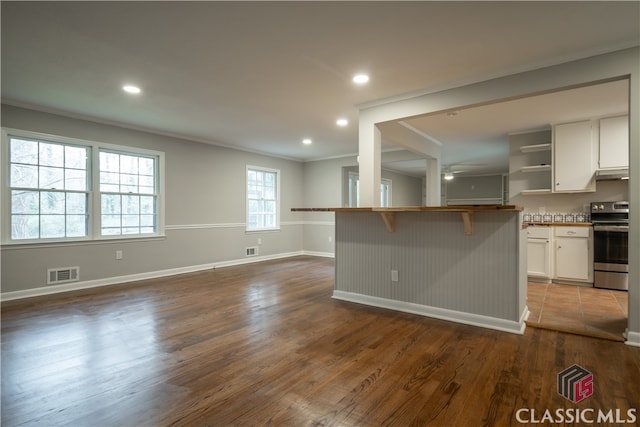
{"points": [[252, 251], [56, 276]]}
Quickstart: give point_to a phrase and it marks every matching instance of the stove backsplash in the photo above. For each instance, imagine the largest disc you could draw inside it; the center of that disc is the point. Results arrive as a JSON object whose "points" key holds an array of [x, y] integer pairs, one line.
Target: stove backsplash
{"points": [[560, 217], [564, 205]]}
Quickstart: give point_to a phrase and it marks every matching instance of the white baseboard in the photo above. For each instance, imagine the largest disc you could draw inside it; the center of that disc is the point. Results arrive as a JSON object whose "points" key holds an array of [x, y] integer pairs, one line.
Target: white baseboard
{"points": [[252, 259], [633, 339], [87, 284], [320, 254], [438, 313]]}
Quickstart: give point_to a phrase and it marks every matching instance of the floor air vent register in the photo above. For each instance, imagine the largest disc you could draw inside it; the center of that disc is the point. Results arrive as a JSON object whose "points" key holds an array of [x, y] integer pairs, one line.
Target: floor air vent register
{"points": [[56, 276]]}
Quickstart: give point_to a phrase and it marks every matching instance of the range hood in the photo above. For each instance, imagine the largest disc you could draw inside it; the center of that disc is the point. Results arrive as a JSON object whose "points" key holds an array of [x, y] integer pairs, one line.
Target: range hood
{"points": [[612, 174]]}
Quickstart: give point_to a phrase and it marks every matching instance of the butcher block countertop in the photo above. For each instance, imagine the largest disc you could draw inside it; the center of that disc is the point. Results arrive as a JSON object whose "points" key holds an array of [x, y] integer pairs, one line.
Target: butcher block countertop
{"points": [[461, 208], [388, 214]]}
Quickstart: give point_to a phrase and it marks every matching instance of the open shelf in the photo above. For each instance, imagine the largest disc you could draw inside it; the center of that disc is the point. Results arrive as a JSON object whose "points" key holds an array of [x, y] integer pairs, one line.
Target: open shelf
{"points": [[536, 168], [536, 147]]}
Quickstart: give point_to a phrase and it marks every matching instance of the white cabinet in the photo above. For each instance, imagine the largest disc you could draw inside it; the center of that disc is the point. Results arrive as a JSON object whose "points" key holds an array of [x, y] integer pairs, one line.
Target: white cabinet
{"points": [[574, 157], [539, 252], [614, 143], [573, 254]]}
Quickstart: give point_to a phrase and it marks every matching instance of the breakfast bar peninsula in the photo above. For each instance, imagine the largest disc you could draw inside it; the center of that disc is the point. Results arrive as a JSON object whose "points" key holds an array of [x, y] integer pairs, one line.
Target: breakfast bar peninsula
{"points": [[465, 264]]}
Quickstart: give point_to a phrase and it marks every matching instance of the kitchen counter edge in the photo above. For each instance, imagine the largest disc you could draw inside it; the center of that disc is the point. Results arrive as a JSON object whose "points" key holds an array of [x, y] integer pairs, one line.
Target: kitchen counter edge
{"points": [[461, 208]]}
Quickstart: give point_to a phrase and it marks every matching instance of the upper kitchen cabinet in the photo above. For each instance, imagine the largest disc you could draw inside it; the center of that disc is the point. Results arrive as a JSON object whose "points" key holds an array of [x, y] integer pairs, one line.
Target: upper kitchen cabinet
{"points": [[574, 157], [614, 143]]}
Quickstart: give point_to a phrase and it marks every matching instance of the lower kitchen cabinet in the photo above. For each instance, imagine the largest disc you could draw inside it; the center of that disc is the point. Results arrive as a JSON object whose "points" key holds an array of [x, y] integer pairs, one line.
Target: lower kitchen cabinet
{"points": [[560, 254], [573, 254], [539, 252]]}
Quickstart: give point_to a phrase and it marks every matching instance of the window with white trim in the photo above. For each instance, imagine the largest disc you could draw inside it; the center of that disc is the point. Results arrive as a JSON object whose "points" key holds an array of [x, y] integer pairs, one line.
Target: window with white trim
{"points": [[127, 194], [354, 191], [263, 199], [48, 189], [60, 189]]}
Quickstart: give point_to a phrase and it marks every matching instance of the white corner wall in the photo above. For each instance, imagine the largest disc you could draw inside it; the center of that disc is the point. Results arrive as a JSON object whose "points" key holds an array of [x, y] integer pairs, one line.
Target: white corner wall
{"points": [[204, 211]]}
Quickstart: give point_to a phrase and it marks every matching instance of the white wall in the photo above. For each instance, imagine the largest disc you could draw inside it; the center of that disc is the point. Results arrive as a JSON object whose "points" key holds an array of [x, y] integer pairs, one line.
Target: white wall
{"points": [[474, 190], [325, 186], [204, 207], [405, 190]]}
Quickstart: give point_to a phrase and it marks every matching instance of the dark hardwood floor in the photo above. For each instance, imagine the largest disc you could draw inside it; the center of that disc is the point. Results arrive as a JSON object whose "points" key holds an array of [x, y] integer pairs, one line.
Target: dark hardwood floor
{"points": [[265, 344]]}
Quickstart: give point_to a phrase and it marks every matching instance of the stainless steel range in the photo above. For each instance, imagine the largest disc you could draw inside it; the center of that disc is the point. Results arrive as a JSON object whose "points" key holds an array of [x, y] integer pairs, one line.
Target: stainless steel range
{"points": [[610, 244]]}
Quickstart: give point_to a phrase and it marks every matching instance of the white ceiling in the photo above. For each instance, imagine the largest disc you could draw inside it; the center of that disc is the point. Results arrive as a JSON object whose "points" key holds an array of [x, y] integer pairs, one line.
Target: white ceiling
{"points": [[262, 76]]}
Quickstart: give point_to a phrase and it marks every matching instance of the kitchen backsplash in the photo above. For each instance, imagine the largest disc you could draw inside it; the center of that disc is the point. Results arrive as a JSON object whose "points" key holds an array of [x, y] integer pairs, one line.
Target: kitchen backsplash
{"points": [[556, 217], [572, 202]]}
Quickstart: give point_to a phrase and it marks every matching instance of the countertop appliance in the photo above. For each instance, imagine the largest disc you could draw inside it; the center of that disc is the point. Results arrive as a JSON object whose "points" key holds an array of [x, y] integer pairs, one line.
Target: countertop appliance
{"points": [[610, 244]]}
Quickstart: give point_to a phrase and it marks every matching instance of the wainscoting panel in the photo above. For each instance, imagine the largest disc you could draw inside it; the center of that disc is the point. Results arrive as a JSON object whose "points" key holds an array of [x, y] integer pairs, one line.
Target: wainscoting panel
{"points": [[437, 264]]}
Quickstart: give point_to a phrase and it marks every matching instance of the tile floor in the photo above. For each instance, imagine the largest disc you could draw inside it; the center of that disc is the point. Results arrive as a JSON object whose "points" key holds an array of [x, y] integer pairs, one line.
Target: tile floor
{"points": [[582, 310]]}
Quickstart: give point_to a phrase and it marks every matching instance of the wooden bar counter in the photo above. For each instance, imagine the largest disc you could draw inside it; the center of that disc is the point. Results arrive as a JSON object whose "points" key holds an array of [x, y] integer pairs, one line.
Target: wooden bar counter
{"points": [[459, 263], [388, 214]]}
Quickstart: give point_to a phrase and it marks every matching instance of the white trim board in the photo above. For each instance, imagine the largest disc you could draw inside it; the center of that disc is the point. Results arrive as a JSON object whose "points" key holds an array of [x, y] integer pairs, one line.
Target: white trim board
{"points": [[320, 254], [117, 280], [438, 313], [633, 339]]}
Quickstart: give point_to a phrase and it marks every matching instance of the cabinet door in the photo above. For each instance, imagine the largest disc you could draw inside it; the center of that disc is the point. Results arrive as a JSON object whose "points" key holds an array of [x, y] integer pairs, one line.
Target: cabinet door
{"points": [[538, 258], [572, 258], [614, 142], [573, 158]]}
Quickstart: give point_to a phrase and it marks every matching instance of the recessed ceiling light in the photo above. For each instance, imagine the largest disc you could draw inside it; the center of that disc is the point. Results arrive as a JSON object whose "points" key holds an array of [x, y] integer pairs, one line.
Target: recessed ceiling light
{"points": [[307, 141], [360, 79], [131, 89], [342, 122]]}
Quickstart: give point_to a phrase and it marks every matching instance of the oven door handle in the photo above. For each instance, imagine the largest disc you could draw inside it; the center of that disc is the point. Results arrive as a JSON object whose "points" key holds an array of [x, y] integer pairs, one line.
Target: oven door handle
{"points": [[618, 228]]}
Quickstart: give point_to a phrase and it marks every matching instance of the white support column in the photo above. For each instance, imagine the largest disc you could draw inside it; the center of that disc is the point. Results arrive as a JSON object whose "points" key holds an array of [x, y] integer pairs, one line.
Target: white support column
{"points": [[369, 164], [433, 182]]}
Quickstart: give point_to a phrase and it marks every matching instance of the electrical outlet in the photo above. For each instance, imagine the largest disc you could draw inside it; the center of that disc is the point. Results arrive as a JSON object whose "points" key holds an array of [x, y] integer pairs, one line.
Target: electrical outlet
{"points": [[330, 239], [394, 275], [118, 254], [259, 241]]}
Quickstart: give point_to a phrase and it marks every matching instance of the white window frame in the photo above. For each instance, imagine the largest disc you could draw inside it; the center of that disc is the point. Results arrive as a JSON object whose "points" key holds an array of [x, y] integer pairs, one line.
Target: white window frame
{"points": [[276, 227], [354, 191], [385, 193], [93, 179]]}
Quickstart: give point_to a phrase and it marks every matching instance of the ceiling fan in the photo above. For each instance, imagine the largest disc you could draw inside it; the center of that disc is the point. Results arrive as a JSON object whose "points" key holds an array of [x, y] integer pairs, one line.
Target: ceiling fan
{"points": [[448, 171]]}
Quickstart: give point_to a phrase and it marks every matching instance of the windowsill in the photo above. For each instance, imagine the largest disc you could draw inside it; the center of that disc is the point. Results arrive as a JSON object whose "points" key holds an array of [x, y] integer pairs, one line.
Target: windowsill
{"points": [[66, 243], [263, 230]]}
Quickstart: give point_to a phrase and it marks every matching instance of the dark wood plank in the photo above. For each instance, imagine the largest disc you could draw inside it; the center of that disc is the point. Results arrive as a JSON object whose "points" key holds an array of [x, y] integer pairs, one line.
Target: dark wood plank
{"points": [[265, 344]]}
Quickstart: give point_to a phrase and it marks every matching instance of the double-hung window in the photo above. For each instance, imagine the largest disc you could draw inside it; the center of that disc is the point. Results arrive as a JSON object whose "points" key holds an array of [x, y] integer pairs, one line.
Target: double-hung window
{"points": [[60, 189], [263, 199], [128, 194], [49, 189]]}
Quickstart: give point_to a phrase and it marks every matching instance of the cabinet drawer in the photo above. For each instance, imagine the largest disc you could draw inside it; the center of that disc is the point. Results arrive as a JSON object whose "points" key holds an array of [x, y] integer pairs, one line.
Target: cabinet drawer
{"points": [[539, 232], [571, 231]]}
